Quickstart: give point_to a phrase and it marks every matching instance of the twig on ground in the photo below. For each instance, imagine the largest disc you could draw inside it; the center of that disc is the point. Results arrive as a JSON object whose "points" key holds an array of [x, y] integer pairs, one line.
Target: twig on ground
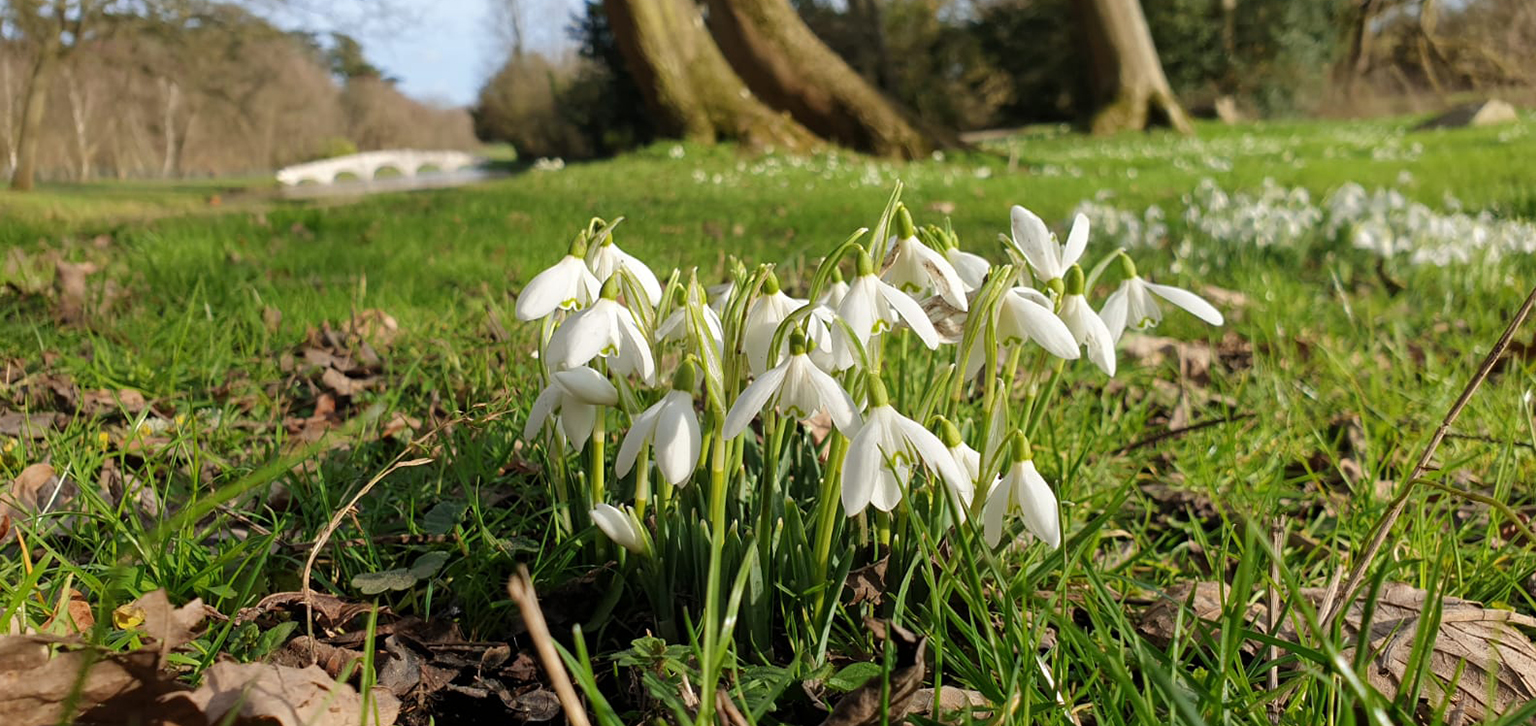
{"points": [[1174, 433], [1335, 607], [520, 587]]}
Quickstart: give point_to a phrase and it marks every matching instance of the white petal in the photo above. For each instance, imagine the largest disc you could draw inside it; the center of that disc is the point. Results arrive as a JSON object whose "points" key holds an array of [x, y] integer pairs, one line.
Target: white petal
{"points": [[837, 402], [617, 524], [1114, 310], [587, 386], [1196, 305], [752, 400], [578, 420], [972, 268], [640, 429], [858, 307], [1042, 326], [912, 313], [588, 333], [1033, 240], [677, 439], [887, 491], [946, 281], [1038, 504], [559, 286], [993, 512], [543, 406], [648, 281], [862, 466], [634, 349], [1077, 241], [938, 458]]}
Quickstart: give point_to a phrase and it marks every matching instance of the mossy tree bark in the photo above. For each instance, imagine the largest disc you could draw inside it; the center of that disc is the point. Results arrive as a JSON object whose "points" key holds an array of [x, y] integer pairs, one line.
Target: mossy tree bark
{"points": [[688, 84], [790, 69], [1130, 89]]}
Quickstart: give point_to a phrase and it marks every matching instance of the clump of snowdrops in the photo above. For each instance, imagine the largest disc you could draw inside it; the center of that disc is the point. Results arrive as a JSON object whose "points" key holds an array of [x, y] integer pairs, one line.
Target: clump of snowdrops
{"points": [[778, 440]]}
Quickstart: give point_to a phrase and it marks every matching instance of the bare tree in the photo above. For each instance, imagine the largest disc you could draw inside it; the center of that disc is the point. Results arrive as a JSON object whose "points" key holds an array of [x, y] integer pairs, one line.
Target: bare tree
{"points": [[53, 29], [686, 81], [79, 93], [8, 113], [790, 69], [1128, 81]]}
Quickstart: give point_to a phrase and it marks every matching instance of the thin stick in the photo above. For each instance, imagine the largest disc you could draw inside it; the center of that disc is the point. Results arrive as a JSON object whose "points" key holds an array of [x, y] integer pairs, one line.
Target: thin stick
{"points": [[1174, 433], [330, 528], [1384, 527], [520, 587]]}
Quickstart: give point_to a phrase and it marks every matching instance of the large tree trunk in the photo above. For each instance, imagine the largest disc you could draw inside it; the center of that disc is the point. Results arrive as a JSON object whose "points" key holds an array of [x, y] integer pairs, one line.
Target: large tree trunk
{"points": [[33, 106], [787, 66], [1130, 89], [687, 82]]}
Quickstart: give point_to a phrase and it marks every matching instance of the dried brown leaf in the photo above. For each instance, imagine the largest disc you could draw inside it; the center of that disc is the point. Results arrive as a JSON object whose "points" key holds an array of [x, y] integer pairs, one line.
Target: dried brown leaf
{"points": [[152, 613], [1494, 660], [286, 696], [46, 680], [331, 612], [868, 582], [861, 706], [69, 286]]}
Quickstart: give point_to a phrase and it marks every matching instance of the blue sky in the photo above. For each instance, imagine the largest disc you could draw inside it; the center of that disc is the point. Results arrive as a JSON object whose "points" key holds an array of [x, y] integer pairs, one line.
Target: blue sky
{"points": [[441, 50]]}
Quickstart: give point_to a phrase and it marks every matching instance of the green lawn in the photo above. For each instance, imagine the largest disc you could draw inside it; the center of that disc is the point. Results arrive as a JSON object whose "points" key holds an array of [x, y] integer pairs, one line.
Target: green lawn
{"points": [[1323, 387]]}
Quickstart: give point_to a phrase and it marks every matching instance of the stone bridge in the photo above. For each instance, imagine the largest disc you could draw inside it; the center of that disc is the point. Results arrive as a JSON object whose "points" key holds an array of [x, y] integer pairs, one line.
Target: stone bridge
{"points": [[408, 162]]}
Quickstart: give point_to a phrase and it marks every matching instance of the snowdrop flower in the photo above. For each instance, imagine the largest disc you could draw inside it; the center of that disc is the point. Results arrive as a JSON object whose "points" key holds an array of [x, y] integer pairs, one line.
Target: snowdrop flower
{"points": [[607, 259], [1133, 305], [566, 285], [967, 458], [763, 320], [972, 268], [1023, 490], [675, 327], [574, 394], [914, 267], [798, 388], [1025, 315], [872, 306], [605, 329], [881, 455], [835, 292], [671, 428], [621, 526], [1049, 260], [1088, 329], [827, 349]]}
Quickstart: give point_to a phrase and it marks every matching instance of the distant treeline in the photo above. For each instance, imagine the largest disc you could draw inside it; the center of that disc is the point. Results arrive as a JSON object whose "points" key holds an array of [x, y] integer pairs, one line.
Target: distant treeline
{"points": [[228, 94]]}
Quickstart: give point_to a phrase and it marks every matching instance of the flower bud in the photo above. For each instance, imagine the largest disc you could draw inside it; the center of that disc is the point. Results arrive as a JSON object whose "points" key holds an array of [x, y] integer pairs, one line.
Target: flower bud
{"points": [[877, 394], [947, 432], [771, 284], [621, 526], [686, 377], [866, 266]]}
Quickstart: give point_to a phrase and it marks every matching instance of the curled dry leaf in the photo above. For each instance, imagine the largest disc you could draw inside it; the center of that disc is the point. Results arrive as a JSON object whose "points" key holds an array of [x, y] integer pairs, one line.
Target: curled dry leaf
{"points": [[267, 693], [46, 680], [956, 705], [152, 613], [35, 492], [1491, 663], [331, 612], [69, 286]]}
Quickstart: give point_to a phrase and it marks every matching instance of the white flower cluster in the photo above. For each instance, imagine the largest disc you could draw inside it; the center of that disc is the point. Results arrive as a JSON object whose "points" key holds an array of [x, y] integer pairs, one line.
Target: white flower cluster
{"points": [[610, 325], [1125, 228], [1389, 224], [1272, 216]]}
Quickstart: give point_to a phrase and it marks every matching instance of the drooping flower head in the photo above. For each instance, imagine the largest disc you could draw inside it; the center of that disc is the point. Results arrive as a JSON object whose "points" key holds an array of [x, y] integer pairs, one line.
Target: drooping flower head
{"points": [[872, 306], [798, 388], [573, 395], [566, 285], [671, 427], [622, 527], [881, 456], [915, 268], [1024, 315], [605, 329], [607, 259], [763, 320], [1133, 306], [1087, 328], [1022, 490]]}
